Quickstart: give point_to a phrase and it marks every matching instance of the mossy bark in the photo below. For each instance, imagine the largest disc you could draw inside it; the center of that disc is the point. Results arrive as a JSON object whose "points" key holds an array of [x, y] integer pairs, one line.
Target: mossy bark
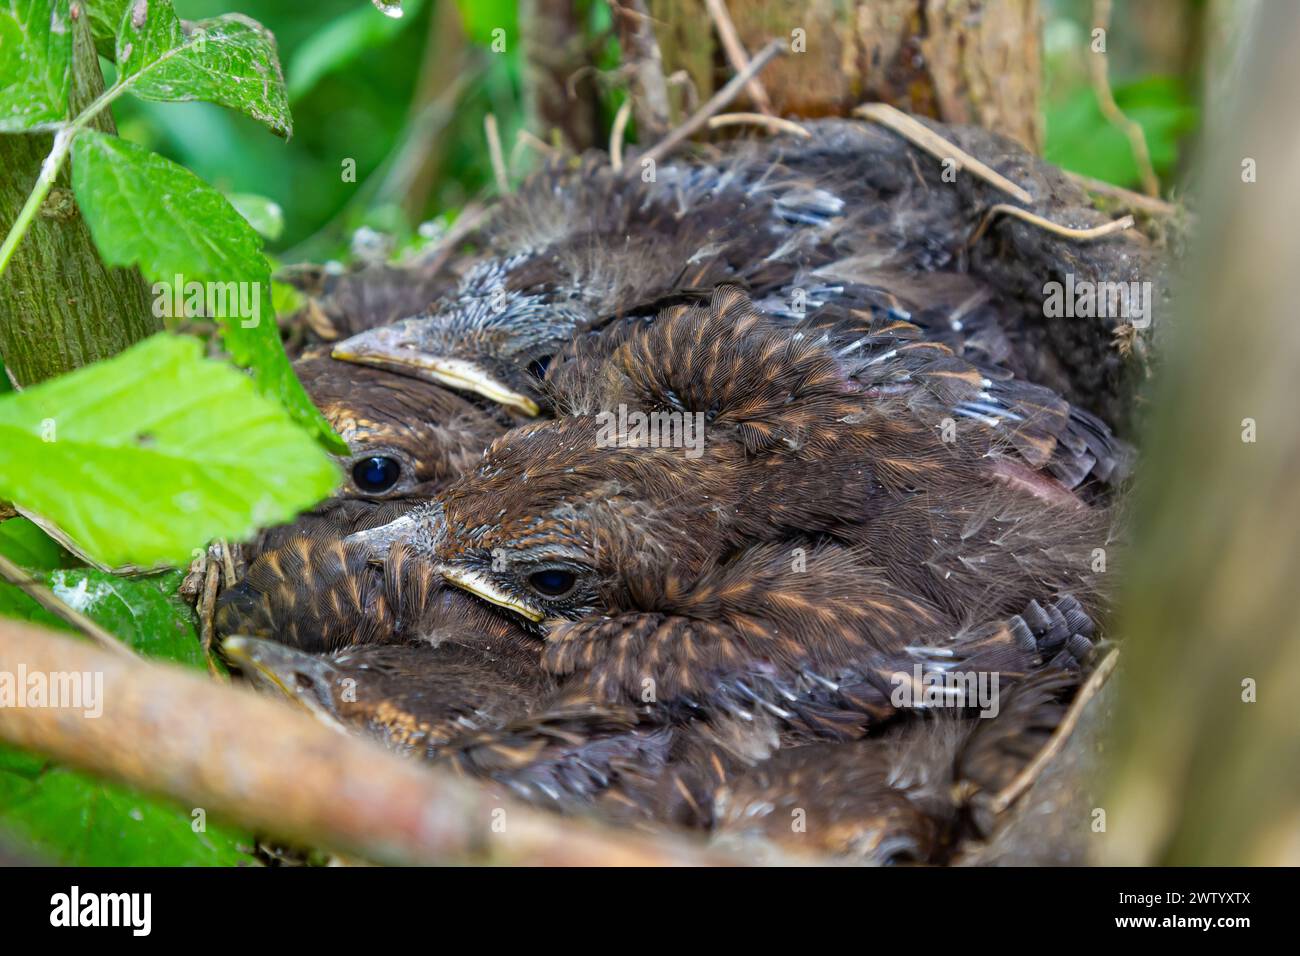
{"points": [[60, 306]]}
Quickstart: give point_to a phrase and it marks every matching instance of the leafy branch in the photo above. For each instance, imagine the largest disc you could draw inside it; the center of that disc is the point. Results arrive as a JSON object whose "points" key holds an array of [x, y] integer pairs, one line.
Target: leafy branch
{"points": [[229, 60]]}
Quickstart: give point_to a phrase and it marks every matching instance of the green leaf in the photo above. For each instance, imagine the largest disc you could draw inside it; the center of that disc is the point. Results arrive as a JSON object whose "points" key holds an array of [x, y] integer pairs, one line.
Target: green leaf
{"points": [[77, 820], [1080, 138], [230, 60], [339, 42], [35, 63], [145, 456], [482, 17], [143, 611], [30, 548], [105, 18], [145, 210], [264, 215]]}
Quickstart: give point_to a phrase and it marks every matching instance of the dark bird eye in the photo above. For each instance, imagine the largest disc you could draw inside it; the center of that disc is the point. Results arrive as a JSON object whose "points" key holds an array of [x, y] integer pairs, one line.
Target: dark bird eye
{"points": [[553, 582], [376, 474], [537, 368]]}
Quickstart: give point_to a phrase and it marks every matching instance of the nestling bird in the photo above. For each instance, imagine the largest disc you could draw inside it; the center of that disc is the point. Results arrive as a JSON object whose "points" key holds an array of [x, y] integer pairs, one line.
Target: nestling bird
{"points": [[407, 438], [826, 536], [914, 794], [577, 247], [343, 302], [762, 510]]}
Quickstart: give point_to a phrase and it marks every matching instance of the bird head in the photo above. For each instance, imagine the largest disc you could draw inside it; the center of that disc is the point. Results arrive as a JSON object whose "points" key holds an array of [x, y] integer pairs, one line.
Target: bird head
{"points": [[406, 437], [556, 524], [493, 338], [310, 680]]}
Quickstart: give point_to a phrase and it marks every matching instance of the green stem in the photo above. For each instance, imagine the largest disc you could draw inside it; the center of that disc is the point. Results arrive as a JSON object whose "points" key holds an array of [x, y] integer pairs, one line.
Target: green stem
{"points": [[50, 171]]}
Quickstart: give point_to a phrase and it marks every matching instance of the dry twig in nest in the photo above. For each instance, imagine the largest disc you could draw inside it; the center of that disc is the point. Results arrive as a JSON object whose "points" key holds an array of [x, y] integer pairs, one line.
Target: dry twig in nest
{"points": [[617, 133], [1099, 72], [927, 139], [717, 102], [736, 54], [1056, 229], [494, 151], [774, 124], [1023, 780]]}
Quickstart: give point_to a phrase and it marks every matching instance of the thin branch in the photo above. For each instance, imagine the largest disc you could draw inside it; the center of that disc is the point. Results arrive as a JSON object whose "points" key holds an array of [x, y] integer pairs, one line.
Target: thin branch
{"points": [[536, 143], [494, 151], [616, 135], [636, 37], [60, 608], [1147, 204], [927, 139], [1023, 780], [1066, 232], [266, 766], [207, 610], [1098, 68], [716, 103], [773, 123], [736, 54]]}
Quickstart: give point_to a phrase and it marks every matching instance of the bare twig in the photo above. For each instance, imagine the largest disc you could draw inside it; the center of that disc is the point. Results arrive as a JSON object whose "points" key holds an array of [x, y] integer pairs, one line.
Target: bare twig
{"points": [[1023, 780], [227, 563], [535, 142], [927, 139], [1066, 232], [1147, 204], [641, 52], [207, 610], [1099, 71], [494, 151], [736, 54], [616, 135], [60, 608], [773, 123], [717, 102], [262, 765]]}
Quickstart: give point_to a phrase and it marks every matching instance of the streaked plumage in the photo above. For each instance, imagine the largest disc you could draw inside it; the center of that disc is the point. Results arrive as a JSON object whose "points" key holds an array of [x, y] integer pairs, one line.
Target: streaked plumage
{"points": [[879, 488]]}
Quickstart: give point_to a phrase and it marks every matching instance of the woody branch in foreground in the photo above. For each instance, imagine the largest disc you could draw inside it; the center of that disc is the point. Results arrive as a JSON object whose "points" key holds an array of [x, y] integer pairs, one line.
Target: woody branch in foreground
{"points": [[257, 763]]}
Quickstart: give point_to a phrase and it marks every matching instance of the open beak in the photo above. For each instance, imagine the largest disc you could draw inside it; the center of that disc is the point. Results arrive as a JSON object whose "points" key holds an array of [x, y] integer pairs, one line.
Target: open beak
{"points": [[481, 586], [383, 348]]}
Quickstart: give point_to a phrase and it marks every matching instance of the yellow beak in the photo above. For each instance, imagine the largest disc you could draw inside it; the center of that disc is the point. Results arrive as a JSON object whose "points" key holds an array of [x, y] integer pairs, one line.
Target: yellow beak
{"points": [[455, 373], [481, 586]]}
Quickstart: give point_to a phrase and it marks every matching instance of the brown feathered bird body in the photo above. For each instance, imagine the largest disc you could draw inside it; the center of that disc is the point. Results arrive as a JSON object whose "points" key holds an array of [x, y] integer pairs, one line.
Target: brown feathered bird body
{"points": [[857, 486]]}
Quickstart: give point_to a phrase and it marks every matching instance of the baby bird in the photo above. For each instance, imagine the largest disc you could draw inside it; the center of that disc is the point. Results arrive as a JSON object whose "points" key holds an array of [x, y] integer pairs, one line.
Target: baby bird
{"points": [[826, 535], [576, 247], [913, 794], [407, 438]]}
